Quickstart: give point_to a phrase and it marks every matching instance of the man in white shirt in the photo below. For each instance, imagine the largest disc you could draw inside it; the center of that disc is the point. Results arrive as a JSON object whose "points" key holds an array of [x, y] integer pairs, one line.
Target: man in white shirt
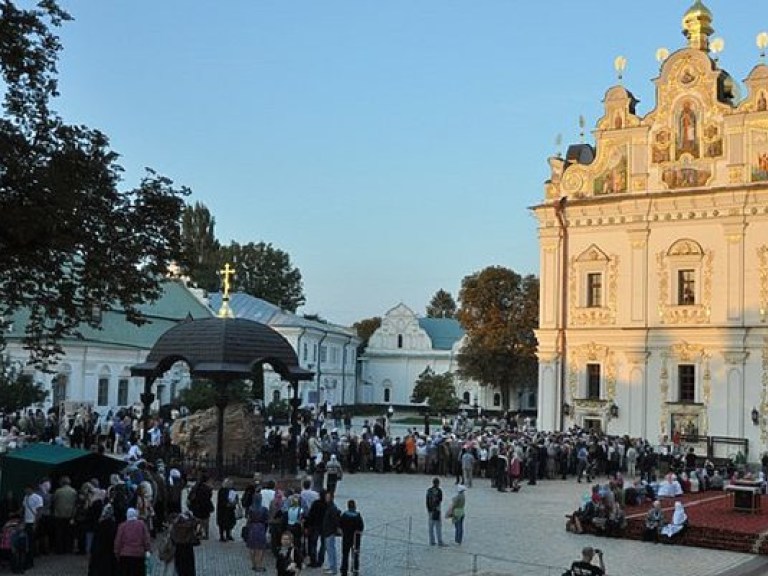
{"points": [[31, 506]]}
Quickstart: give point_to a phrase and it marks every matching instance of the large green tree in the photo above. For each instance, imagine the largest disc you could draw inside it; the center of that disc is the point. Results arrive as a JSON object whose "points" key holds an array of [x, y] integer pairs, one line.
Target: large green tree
{"points": [[266, 272], [200, 256], [442, 305], [499, 311], [19, 392], [202, 394], [71, 239], [437, 389]]}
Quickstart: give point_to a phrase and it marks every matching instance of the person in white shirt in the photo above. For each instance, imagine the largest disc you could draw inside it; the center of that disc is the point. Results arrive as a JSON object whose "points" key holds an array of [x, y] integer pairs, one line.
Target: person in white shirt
{"points": [[32, 506]]}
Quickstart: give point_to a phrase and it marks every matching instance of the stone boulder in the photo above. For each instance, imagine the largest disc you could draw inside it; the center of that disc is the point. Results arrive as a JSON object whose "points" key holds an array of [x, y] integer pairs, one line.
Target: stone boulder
{"points": [[195, 434]]}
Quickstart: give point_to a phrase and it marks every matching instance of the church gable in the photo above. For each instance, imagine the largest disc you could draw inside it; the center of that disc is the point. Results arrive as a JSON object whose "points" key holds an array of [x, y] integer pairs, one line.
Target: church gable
{"points": [[400, 329]]}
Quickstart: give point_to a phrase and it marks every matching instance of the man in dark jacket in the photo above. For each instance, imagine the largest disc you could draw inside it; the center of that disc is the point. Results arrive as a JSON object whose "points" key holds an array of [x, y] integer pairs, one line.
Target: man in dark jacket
{"points": [[314, 524], [330, 528], [351, 524]]}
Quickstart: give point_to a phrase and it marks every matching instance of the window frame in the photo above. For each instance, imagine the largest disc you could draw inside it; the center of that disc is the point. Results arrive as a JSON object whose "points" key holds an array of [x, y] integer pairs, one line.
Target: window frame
{"points": [[589, 382], [690, 396], [592, 287]]}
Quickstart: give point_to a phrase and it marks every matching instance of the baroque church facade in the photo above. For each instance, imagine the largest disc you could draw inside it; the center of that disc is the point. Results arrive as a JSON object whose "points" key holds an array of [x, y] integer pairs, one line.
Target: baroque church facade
{"points": [[654, 260]]}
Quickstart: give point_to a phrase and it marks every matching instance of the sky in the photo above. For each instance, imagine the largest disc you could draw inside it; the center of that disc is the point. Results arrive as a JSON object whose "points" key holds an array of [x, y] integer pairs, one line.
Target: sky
{"points": [[391, 148]]}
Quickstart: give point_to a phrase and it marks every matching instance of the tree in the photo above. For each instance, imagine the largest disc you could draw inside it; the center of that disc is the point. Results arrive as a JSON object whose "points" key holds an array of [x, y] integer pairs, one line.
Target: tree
{"points": [[365, 329], [499, 311], [266, 272], [200, 256], [442, 305], [70, 240], [20, 392], [202, 394], [437, 389]]}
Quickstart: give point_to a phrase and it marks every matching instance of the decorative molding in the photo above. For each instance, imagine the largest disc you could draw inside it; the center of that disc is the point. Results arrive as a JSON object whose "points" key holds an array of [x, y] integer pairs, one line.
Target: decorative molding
{"points": [[636, 357], [685, 352], [764, 397], [579, 357], [762, 255], [735, 357], [597, 316], [674, 314]]}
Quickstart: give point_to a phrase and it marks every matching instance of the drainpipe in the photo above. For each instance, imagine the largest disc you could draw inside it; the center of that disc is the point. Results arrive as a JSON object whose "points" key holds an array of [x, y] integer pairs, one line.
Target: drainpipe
{"points": [[320, 366], [344, 371], [561, 331]]}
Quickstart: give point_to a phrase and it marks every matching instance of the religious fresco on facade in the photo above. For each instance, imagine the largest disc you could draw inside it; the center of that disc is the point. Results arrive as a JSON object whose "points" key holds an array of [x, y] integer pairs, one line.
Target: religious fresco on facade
{"points": [[614, 179], [685, 175], [662, 141], [762, 102], [759, 151], [713, 142], [687, 141]]}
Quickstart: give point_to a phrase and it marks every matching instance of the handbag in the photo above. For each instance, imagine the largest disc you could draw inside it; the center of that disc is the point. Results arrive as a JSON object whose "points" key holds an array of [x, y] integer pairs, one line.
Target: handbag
{"points": [[244, 532]]}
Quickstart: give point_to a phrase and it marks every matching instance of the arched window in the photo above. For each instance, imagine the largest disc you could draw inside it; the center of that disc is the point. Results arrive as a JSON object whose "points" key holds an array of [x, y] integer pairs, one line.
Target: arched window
{"points": [[399, 340], [465, 397], [275, 396], [102, 398], [497, 399], [387, 395]]}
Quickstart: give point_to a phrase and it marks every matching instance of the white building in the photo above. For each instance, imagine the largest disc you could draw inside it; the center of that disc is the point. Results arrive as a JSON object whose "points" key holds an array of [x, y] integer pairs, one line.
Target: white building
{"points": [[330, 351], [403, 348], [654, 260]]}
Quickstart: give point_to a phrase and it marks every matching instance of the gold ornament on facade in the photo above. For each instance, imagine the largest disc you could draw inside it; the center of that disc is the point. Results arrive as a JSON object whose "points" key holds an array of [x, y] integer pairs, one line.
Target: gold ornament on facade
{"points": [[764, 396], [762, 256], [594, 316], [684, 314], [592, 352]]}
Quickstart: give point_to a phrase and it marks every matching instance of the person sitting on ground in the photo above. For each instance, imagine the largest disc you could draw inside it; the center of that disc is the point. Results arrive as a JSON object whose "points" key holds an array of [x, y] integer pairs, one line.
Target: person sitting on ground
{"points": [[654, 520], [679, 521], [616, 520], [669, 487]]}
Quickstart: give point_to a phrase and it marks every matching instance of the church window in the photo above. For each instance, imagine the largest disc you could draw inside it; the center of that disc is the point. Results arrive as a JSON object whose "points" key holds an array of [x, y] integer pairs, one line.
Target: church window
{"points": [[686, 287], [323, 354], [465, 397], [399, 340], [275, 396], [387, 395], [593, 381], [686, 378], [122, 392], [103, 396], [594, 290], [497, 399]]}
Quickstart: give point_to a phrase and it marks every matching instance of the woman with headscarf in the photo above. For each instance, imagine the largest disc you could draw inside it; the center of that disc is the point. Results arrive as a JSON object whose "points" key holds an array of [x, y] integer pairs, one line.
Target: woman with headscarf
{"points": [[256, 533], [679, 521], [174, 492], [132, 544], [456, 513], [183, 533], [226, 503], [103, 561]]}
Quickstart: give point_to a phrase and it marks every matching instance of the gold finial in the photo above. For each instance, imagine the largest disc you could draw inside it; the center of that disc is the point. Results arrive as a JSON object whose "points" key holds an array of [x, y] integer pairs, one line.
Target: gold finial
{"points": [[225, 311], [559, 145], [661, 55], [697, 26], [717, 46], [762, 43], [620, 64], [582, 123]]}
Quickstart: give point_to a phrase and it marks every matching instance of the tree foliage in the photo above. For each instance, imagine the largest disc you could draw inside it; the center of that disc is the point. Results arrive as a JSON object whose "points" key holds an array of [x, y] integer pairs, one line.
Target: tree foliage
{"points": [[438, 391], [499, 311], [202, 394], [365, 329], [20, 392], [442, 305], [266, 272], [70, 239], [200, 258]]}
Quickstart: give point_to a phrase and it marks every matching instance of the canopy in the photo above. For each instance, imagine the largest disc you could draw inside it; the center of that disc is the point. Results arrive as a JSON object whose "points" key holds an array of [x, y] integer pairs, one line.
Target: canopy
{"points": [[30, 464]]}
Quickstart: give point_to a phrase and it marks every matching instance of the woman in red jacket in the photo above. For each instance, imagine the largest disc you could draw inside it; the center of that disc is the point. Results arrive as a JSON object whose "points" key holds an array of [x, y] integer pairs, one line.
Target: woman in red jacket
{"points": [[132, 544]]}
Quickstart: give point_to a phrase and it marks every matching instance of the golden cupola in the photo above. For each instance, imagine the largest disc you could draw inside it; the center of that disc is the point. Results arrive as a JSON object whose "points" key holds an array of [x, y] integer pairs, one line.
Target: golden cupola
{"points": [[697, 26]]}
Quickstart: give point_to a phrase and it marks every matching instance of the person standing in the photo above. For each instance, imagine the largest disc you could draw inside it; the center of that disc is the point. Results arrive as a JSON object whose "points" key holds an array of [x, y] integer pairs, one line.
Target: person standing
{"points": [[434, 501], [289, 561], [132, 544], [32, 507], [102, 560], [584, 567], [330, 529], [226, 503], [352, 526], [64, 506], [456, 513], [183, 534], [256, 535], [334, 474], [200, 504], [467, 466]]}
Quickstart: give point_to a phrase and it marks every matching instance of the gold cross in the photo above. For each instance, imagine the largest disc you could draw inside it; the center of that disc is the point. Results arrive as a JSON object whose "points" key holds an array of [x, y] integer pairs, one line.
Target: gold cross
{"points": [[226, 273]]}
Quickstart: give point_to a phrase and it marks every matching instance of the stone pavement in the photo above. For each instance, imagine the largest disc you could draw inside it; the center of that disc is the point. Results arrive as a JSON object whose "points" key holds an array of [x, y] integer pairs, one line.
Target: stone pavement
{"points": [[519, 534]]}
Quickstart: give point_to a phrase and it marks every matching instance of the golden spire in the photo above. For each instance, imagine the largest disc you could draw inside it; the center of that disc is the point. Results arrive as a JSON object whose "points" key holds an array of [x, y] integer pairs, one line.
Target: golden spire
{"points": [[697, 26], [225, 311]]}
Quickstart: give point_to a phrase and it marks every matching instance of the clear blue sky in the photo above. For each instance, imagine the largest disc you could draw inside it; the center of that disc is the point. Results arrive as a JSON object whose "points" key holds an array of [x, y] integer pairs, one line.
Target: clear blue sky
{"points": [[390, 147]]}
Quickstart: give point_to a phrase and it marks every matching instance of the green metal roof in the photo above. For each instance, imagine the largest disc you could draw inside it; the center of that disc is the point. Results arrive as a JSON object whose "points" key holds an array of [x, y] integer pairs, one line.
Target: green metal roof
{"points": [[175, 304], [444, 332], [46, 454]]}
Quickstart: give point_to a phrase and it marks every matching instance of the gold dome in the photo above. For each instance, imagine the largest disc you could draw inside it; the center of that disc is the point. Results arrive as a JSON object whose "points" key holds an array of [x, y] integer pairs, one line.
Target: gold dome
{"points": [[697, 26]]}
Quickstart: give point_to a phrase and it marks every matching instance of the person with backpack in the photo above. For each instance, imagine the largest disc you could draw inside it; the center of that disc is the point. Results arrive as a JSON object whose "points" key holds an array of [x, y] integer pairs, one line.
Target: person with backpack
{"points": [[434, 501], [183, 534], [200, 504]]}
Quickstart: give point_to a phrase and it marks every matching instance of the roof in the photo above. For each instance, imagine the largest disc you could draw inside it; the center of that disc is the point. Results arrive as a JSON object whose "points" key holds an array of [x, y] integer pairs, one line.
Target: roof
{"points": [[246, 306], [47, 454], [176, 303], [444, 332], [222, 348]]}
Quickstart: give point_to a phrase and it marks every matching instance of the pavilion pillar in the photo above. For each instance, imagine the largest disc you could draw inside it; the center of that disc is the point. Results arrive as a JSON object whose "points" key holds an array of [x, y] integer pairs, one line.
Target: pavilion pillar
{"points": [[221, 404], [146, 400], [293, 447]]}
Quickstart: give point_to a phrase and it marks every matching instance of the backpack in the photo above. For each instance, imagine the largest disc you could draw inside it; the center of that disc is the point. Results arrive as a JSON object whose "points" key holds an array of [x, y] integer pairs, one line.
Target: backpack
{"points": [[166, 549], [433, 499]]}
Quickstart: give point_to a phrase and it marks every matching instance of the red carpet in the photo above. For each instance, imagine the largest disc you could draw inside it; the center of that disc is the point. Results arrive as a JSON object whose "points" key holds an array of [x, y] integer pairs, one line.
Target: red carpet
{"points": [[711, 523]]}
